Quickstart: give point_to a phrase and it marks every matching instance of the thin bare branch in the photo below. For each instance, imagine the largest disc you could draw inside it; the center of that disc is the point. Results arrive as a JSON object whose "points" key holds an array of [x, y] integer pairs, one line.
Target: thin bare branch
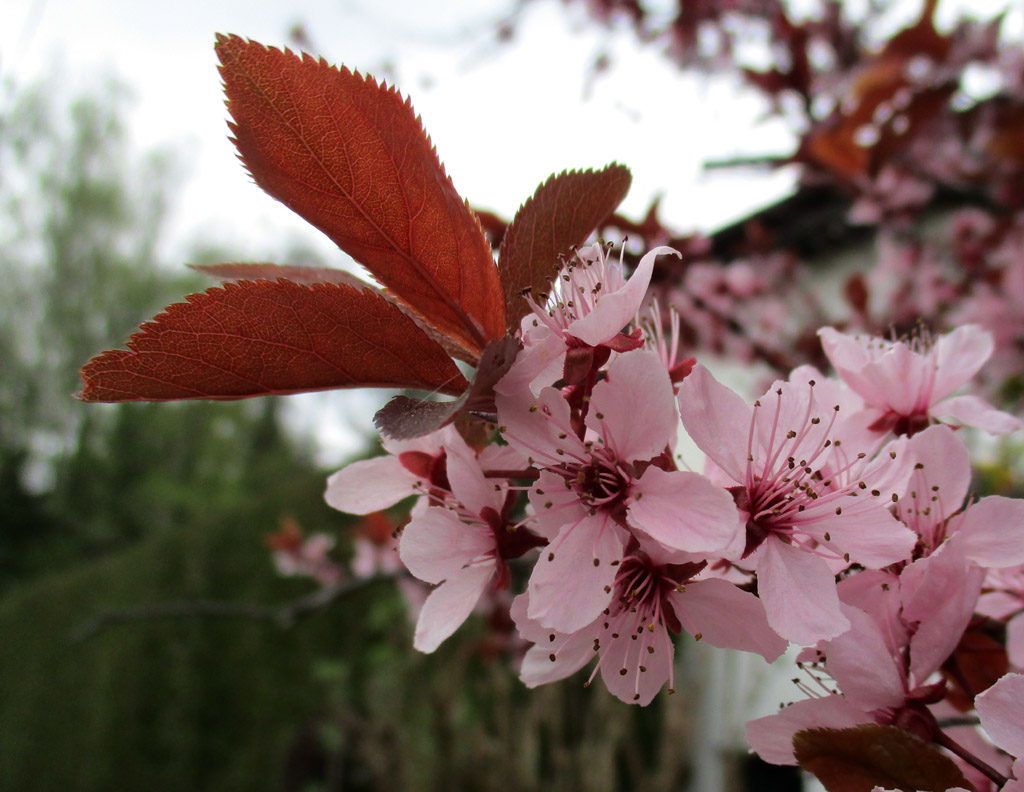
{"points": [[283, 616]]}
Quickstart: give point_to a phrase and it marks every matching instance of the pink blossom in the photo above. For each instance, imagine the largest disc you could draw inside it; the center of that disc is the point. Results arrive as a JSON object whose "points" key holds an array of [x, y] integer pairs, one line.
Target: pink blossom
{"points": [[594, 491], [908, 383], [461, 544], [988, 533], [894, 193], [590, 304], [652, 600], [759, 292], [937, 487], [375, 546], [811, 505], [666, 342], [998, 306], [410, 467], [298, 556], [939, 595], [882, 666]]}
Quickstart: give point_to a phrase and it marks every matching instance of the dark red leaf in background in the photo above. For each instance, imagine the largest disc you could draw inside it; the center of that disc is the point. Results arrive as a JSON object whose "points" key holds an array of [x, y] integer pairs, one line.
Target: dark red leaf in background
{"points": [[977, 663], [838, 143], [562, 213], [255, 338], [351, 157]]}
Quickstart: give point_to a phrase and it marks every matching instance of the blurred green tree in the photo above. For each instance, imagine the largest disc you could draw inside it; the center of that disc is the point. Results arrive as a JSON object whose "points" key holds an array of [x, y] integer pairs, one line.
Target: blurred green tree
{"points": [[80, 222]]}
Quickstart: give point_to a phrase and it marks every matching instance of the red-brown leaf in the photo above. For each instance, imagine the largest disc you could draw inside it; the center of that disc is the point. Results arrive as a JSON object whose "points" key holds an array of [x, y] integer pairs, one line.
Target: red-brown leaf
{"points": [[294, 273], [351, 157], [562, 213], [977, 663], [861, 758], [255, 338], [311, 275], [834, 144], [403, 418]]}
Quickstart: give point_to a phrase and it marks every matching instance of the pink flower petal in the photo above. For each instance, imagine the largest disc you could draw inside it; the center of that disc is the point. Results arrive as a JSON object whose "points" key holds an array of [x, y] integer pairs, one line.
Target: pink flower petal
{"points": [[570, 651], [799, 594], [616, 309], [683, 511], [1002, 715], [991, 532], [848, 355], [634, 671], [940, 593], [572, 582], [944, 476], [538, 365], [536, 426], [469, 486], [877, 593], [900, 377], [448, 606], [772, 737], [974, 411], [501, 457], [552, 661], [554, 506], [863, 664], [637, 386], [556, 655], [958, 357], [870, 534], [727, 617], [370, 485], [790, 410], [428, 444], [1015, 641], [717, 420], [998, 604], [436, 545]]}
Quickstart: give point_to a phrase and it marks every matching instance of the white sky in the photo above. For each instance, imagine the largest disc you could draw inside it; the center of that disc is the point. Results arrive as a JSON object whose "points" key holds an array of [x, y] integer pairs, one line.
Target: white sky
{"points": [[503, 118]]}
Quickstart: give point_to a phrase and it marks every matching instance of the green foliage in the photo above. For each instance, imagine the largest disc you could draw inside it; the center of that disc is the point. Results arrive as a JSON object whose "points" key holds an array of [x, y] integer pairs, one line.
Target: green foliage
{"points": [[78, 254], [185, 704], [80, 218], [230, 704]]}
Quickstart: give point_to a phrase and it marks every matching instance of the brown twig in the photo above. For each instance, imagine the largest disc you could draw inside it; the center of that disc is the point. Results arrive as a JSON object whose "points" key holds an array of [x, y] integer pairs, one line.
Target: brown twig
{"points": [[985, 769], [283, 616], [751, 161]]}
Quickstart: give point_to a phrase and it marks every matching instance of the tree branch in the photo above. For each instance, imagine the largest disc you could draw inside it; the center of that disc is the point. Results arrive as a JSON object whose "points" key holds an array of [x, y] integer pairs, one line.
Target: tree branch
{"points": [[283, 616], [752, 161]]}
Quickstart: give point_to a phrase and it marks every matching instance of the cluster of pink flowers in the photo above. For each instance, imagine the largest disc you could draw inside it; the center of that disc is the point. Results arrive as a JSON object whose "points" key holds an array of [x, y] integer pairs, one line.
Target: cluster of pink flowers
{"points": [[296, 555], [831, 514]]}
